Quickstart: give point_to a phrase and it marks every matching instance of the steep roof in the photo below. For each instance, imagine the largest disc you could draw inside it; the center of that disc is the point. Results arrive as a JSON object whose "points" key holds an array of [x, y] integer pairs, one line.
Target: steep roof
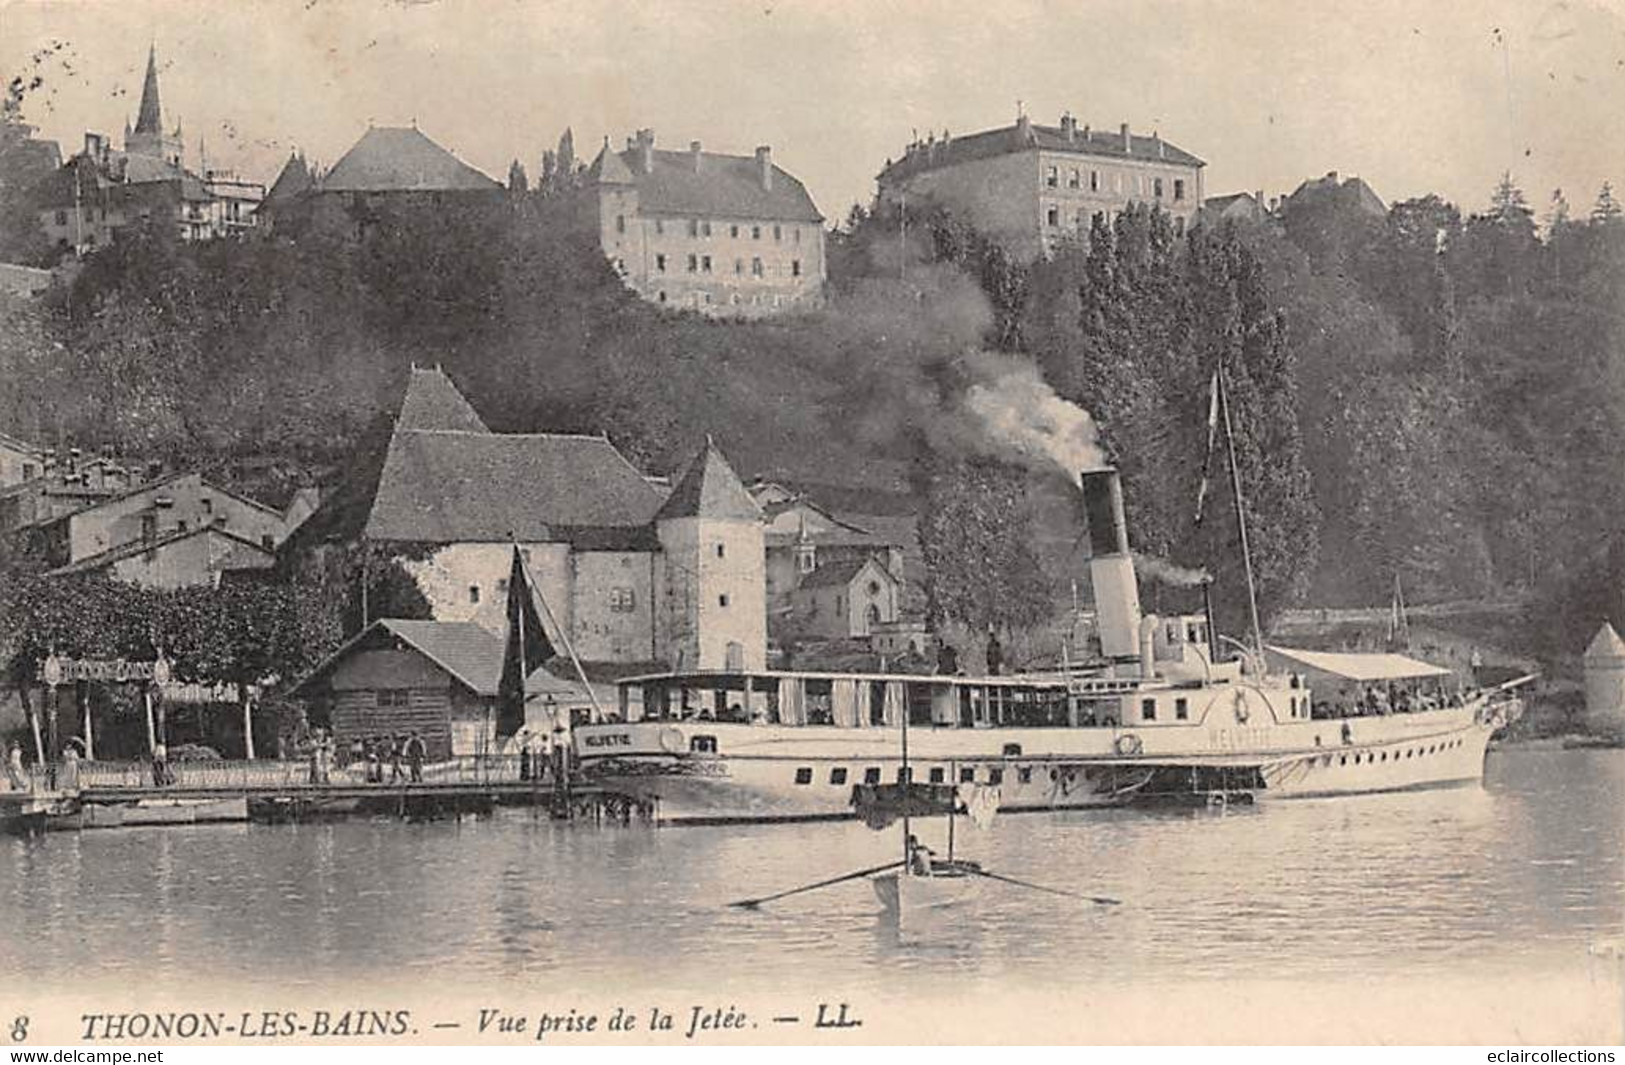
{"points": [[433, 402], [150, 118], [397, 159], [1020, 137], [1605, 645], [440, 486], [294, 179], [724, 186], [470, 653], [840, 574], [709, 488]]}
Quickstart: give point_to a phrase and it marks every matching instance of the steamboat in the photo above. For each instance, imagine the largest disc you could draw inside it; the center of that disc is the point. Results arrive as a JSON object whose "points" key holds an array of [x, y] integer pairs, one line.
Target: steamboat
{"points": [[1161, 715]]}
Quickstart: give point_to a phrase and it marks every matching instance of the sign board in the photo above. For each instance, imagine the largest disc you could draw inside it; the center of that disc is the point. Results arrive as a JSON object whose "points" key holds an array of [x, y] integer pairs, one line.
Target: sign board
{"points": [[55, 670]]}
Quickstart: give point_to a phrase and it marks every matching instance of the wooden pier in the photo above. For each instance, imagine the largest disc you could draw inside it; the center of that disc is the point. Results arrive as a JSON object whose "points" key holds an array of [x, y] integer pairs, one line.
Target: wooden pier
{"points": [[108, 795]]}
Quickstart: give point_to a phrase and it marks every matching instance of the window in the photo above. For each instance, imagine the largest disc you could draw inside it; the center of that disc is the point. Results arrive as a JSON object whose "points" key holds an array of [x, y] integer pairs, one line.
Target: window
{"points": [[660, 262], [703, 744], [1156, 187], [722, 600], [1025, 774], [936, 774], [1182, 709], [795, 267], [995, 777], [660, 226], [838, 775], [733, 231], [623, 600], [1051, 177], [872, 775], [394, 697], [756, 266], [705, 264], [473, 593], [778, 233], [502, 586], [1148, 709], [806, 558], [967, 774], [1094, 181], [804, 775], [755, 232], [620, 223], [1053, 216], [62, 218], [693, 227], [268, 541], [1072, 178], [905, 774], [661, 295], [1012, 750], [705, 228], [693, 263], [739, 268], [797, 232], [1179, 188], [722, 551]]}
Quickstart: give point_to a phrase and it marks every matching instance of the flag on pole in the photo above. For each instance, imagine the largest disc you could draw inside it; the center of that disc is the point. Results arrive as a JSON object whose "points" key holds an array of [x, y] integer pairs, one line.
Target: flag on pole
{"points": [[1212, 442], [527, 649]]}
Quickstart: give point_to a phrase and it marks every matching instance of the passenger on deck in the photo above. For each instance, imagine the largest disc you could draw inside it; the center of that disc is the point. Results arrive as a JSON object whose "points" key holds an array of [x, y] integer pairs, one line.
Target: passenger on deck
{"points": [[919, 857], [14, 767]]}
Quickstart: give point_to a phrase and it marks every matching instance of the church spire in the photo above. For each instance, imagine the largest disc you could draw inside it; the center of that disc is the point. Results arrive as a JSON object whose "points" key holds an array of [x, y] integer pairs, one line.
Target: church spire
{"points": [[149, 119]]}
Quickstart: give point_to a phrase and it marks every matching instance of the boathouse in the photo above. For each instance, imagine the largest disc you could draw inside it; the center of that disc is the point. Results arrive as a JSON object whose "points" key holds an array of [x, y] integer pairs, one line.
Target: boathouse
{"points": [[436, 678]]}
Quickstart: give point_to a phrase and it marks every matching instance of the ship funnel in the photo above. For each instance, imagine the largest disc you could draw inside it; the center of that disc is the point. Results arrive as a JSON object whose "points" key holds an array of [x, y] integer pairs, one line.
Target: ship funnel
{"points": [[1111, 566]]}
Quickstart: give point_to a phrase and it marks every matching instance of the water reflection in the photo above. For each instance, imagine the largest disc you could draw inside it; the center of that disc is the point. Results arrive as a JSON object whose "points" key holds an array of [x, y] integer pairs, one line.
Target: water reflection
{"points": [[1524, 872]]}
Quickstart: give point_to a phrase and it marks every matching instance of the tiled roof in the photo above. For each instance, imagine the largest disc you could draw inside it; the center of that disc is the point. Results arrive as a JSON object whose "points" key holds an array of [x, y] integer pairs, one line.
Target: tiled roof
{"points": [[459, 487], [470, 653], [395, 159], [433, 402], [709, 488], [294, 179], [1007, 139], [838, 574], [724, 186]]}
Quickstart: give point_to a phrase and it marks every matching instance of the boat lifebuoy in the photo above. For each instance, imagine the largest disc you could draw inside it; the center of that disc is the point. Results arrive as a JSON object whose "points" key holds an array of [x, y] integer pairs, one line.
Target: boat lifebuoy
{"points": [[671, 740], [1128, 743]]}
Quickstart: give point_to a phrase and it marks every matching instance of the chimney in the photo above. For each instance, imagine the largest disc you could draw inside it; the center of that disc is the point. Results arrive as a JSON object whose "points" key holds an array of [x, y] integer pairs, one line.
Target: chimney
{"points": [[1111, 566], [1086, 132], [1331, 175], [764, 166], [694, 154], [1128, 141], [646, 151], [1069, 128]]}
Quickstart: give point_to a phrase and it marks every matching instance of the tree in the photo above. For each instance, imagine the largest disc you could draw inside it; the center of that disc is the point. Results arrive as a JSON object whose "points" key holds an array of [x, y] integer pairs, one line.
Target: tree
{"points": [[518, 182], [1607, 210]]}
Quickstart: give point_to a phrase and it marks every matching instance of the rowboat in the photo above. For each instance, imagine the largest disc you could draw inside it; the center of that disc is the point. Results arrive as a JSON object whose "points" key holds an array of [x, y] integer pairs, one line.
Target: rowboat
{"points": [[906, 891]]}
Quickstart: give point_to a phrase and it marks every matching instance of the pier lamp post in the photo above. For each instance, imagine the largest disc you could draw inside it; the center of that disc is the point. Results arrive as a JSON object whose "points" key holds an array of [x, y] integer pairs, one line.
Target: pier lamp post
{"points": [[51, 672]]}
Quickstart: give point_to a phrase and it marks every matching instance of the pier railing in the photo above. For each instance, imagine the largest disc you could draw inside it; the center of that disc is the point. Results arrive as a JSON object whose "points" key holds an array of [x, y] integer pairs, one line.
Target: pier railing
{"points": [[226, 775]]}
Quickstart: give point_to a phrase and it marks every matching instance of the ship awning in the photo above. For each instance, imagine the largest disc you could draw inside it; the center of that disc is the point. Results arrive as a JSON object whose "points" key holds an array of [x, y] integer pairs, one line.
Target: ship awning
{"points": [[1352, 665]]}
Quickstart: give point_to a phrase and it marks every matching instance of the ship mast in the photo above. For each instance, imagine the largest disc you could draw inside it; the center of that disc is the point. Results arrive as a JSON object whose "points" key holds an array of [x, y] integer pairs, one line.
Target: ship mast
{"points": [[1241, 509]]}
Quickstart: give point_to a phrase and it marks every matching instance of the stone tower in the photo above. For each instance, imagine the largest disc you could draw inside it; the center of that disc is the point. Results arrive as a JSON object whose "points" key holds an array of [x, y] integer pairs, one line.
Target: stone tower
{"points": [[715, 571], [1605, 681]]}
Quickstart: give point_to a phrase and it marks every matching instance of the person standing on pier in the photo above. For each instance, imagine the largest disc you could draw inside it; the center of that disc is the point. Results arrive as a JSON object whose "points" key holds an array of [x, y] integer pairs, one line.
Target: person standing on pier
{"points": [[160, 766], [396, 773], [14, 767], [414, 756], [70, 766]]}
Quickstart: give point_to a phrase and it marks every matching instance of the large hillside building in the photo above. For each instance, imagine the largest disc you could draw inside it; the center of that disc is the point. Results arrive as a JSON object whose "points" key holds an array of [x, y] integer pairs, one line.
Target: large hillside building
{"points": [[393, 167], [1028, 186], [724, 235], [629, 572]]}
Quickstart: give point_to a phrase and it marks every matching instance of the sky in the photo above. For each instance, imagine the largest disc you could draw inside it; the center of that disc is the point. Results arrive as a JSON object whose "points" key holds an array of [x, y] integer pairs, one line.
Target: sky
{"points": [[1414, 97]]}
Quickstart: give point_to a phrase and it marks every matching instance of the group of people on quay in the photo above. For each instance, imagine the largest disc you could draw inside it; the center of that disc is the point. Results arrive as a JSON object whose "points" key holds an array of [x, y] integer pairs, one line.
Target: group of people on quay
{"points": [[403, 754]]}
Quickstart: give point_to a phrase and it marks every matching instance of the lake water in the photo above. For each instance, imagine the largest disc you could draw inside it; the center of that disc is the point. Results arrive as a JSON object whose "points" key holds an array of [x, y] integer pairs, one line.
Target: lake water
{"points": [[1521, 877]]}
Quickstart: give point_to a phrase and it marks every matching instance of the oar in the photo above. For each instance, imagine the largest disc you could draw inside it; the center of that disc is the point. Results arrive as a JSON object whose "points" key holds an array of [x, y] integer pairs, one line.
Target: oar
{"points": [[751, 904], [1101, 899]]}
